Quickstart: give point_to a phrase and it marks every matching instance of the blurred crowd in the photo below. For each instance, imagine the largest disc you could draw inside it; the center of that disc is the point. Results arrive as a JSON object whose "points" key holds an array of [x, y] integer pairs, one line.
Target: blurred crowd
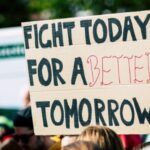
{"points": [[18, 134]]}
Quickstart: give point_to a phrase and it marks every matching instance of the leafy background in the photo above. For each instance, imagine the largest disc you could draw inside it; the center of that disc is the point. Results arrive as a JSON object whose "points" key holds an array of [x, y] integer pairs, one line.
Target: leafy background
{"points": [[13, 12]]}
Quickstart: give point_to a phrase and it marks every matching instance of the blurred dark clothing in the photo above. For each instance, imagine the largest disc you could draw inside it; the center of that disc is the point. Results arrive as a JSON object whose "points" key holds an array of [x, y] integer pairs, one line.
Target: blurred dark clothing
{"points": [[9, 144], [24, 118], [6, 128], [24, 134]]}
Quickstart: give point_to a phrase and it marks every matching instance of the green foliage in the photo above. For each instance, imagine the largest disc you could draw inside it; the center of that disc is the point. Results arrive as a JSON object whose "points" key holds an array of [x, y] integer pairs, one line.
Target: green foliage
{"points": [[61, 9], [12, 13], [38, 5]]}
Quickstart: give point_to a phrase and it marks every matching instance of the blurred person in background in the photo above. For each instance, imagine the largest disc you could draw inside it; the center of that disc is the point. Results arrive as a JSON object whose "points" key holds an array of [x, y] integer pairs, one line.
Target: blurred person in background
{"points": [[103, 136], [6, 129], [24, 134], [81, 145], [6, 135]]}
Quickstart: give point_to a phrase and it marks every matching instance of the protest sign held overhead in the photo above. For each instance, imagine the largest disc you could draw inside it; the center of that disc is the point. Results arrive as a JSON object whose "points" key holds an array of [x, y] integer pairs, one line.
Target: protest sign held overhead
{"points": [[89, 71]]}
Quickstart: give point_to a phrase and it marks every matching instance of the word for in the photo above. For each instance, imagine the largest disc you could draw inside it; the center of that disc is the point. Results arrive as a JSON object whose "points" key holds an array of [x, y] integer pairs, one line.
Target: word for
{"points": [[54, 67], [92, 108]]}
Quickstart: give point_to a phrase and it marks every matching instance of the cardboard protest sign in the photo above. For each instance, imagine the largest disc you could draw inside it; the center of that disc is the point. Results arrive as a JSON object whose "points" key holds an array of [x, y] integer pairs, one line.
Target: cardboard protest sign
{"points": [[89, 71]]}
